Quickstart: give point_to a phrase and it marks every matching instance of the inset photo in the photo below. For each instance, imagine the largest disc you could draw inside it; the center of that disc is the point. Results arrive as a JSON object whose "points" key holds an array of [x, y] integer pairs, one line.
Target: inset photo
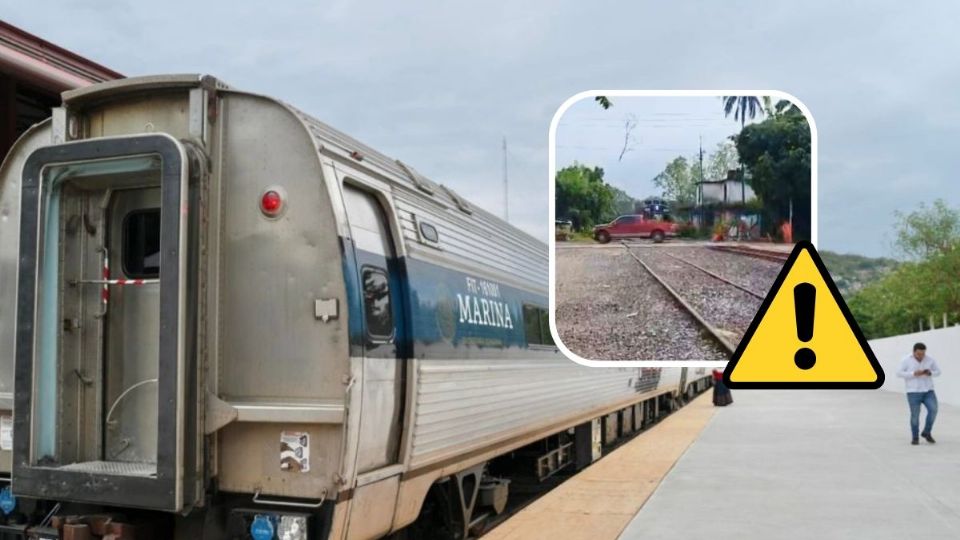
{"points": [[674, 213]]}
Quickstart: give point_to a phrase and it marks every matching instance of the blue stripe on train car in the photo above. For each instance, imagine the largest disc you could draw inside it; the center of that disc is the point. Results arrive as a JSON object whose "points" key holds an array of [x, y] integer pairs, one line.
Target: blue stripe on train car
{"points": [[351, 278], [440, 312]]}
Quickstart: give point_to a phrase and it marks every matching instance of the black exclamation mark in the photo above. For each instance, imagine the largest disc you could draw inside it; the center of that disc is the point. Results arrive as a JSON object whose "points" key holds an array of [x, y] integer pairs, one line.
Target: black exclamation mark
{"points": [[804, 302]]}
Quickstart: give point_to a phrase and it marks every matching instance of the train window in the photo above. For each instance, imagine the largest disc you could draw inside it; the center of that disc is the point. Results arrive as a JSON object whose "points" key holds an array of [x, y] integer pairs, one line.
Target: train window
{"points": [[376, 303], [429, 233], [531, 324], [547, 337], [536, 325], [368, 224], [141, 244]]}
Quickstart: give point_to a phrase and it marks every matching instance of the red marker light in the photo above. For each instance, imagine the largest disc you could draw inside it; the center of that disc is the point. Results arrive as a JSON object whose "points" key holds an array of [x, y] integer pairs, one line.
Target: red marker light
{"points": [[271, 203]]}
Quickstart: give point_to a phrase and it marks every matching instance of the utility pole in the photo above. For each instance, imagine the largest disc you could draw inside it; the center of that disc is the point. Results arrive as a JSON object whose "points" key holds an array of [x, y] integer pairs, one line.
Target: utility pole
{"points": [[700, 186], [506, 184]]}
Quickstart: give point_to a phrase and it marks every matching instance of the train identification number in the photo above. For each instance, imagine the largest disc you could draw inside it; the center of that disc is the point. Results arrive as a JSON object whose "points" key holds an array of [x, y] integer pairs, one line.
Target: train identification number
{"points": [[482, 305]]}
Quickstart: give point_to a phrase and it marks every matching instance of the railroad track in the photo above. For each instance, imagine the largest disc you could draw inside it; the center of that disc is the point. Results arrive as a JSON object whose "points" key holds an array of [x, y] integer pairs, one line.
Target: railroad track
{"points": [[715, 275], [753, 252], [722, 307], [716, 334]]}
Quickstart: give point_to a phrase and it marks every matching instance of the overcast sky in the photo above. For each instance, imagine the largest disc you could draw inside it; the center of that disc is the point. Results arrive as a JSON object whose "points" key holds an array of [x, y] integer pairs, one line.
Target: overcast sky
{"points": [[665, 127], [438, 84]]}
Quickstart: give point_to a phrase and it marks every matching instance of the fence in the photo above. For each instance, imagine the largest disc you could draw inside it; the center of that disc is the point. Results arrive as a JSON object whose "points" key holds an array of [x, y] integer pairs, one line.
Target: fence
{"points": [[942, 344]]}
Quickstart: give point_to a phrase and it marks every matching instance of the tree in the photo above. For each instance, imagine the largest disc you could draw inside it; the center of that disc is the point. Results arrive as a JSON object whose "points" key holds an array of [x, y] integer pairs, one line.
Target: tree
{"points": [[678, 181], [914, 292], [723, 159], [741, 107], [583, 197], [776, 154], [623, 203], [925, 286], [603, 101], [928, 231], [784, 107], [629, 124], [744, 106]]}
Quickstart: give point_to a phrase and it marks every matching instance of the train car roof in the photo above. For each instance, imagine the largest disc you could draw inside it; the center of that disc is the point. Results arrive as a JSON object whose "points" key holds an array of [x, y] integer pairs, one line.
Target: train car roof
{"points": [[499, 237]]}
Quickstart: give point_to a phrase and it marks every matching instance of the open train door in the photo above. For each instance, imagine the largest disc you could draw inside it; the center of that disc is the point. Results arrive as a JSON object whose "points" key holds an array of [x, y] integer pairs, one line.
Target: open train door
{"points": [[105, 361]]}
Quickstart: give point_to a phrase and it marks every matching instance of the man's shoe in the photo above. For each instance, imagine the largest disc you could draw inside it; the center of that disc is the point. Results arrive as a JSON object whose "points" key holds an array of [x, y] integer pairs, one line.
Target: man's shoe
{"points": [[915, 441], [928, 437]]}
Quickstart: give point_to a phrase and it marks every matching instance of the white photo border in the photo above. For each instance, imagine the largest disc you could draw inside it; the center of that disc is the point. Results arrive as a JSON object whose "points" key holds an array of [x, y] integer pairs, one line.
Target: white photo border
{"points": [[551, 189]]}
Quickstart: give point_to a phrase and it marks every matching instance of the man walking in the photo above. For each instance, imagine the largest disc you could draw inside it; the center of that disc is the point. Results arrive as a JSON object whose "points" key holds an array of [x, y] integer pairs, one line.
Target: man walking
{"points": [[919, 370]]}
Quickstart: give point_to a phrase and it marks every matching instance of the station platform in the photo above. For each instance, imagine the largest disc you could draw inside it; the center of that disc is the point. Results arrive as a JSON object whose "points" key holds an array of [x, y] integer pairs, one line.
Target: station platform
{"points": [[811, 464], [775, 465], [598, 502]]}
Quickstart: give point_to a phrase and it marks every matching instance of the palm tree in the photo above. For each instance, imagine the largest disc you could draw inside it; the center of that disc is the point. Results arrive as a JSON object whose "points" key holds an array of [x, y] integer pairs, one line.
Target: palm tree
{"points": [[741, 107], [744, 106]]}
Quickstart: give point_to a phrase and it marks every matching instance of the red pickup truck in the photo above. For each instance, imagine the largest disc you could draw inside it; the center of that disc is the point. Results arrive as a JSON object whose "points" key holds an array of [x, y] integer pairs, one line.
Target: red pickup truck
{"points": [[634, 226]]}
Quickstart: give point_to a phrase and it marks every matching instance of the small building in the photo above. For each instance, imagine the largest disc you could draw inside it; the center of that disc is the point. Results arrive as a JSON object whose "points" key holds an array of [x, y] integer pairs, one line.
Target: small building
{"points": [[728, 200], [728, 191], [33, 72]]}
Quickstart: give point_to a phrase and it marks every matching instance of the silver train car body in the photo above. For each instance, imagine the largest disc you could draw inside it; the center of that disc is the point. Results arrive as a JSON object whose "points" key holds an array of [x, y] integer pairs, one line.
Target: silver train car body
{"points": [[328, 333]]}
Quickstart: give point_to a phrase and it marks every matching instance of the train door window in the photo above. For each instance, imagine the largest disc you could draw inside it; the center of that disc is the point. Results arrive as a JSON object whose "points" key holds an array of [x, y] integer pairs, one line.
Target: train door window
{"points": [[374, 251], [376, 303], [531, 324], [141, 243]]}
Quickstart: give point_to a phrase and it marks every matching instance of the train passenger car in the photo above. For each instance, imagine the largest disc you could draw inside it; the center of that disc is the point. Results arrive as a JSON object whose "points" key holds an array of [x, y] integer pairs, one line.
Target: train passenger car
{"points": [[224, 319]]}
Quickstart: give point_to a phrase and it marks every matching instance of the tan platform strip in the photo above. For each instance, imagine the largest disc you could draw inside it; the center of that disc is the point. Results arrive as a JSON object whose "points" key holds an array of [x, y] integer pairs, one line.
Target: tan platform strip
{"points": [[600, 501]]}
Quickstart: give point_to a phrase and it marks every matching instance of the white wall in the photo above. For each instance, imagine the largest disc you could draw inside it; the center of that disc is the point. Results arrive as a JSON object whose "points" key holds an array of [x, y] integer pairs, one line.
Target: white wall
{"points": [[712, 192], [942, 344], [734, 194]]}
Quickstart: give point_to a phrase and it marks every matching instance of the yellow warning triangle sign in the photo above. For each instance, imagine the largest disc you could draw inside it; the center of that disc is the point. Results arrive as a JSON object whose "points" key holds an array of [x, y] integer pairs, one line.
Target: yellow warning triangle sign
{"points": [[803, 336]]}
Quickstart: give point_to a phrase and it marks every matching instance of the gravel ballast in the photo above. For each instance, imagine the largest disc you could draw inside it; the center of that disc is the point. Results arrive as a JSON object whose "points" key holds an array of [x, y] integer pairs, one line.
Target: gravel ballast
{"points": [[609, 308]]}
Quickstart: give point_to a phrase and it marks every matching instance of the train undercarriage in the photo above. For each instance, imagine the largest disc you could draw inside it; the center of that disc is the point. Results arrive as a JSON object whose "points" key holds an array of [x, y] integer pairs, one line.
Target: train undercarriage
{"points": [[461, 506]]}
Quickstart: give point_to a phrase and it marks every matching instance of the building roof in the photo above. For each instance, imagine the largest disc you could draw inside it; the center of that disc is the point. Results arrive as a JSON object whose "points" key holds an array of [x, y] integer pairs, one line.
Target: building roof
{"points": [[40, 62]]}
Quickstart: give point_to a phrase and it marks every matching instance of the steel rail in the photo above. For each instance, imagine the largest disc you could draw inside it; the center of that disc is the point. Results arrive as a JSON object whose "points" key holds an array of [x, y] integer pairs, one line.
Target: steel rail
{"points": [[751, 252], [714, 333], [715, 275]]}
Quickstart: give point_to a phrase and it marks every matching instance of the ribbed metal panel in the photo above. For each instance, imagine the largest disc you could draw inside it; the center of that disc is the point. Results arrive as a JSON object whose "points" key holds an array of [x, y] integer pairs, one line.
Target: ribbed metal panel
{"points": [[480, 245], [461, 406], [478, 239]]}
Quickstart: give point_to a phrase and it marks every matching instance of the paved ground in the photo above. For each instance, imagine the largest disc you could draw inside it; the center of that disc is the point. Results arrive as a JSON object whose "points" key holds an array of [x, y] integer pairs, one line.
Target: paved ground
{"points": [[599, 501], [810, 464]]}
